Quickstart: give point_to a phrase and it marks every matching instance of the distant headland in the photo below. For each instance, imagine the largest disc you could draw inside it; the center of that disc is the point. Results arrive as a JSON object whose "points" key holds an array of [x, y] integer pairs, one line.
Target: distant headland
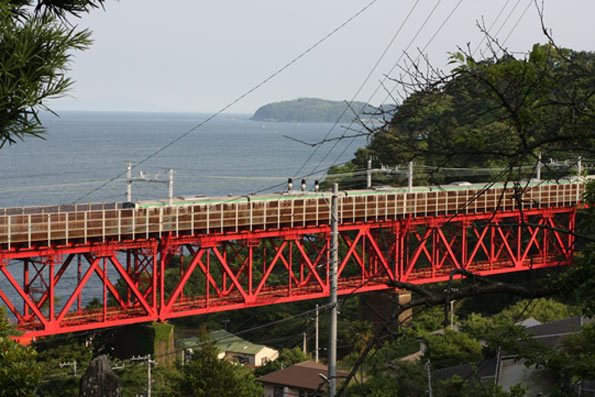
{"points": [[303, 110]]}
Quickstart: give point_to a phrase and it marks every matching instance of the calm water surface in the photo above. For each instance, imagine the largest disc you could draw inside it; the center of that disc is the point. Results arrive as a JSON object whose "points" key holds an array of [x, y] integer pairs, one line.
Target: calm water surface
{"points": [[82, 150], [227, 155]]}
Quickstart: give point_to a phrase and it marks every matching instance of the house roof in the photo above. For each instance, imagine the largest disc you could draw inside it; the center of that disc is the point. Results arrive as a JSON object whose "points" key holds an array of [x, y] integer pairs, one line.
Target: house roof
{"points": [[481, 369], [529, 322], [304, 375], [552, 333], [226, 342]]}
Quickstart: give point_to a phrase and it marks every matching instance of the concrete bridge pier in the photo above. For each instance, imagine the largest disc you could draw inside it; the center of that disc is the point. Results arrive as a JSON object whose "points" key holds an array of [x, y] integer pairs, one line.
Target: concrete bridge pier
{"points": [[379, 306]]}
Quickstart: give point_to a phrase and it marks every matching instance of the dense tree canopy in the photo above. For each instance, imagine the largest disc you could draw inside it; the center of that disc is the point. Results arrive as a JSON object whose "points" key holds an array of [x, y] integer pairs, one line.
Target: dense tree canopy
{"points": [[309, 110], [501, 111], [206, 375], [19, 370]]}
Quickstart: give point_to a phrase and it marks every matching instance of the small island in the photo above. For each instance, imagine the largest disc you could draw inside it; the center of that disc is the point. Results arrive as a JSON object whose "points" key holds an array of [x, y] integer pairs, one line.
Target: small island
{"points": [[304, 110]]}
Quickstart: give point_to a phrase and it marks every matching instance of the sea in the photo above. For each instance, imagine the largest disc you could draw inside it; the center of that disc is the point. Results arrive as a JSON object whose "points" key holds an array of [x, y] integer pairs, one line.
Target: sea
{"points": [[83, 157]]}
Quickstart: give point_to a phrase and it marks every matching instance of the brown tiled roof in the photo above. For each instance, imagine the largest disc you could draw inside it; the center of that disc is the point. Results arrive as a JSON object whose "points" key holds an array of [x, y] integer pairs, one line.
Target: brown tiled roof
{"points": [[303, 375]]}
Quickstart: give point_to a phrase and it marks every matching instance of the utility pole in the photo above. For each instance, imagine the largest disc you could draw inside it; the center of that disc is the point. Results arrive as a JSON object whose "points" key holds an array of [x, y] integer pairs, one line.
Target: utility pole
{"points": [[129, 182], [452, 314], [316, 344], [69, 364], [150, 362], [369, 174], [428, 368], [410, 176], [171, 185], [332, 336], [305, 342], [539, 167], [144, 178], [579, 170]]}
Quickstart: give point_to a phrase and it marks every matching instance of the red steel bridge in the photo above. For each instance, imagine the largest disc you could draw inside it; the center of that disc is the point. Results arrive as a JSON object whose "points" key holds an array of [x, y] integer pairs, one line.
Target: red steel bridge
{"points": [[204, 255]]}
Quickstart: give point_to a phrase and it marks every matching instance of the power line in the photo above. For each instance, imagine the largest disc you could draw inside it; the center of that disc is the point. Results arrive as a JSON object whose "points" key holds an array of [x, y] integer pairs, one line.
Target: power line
{"points": [[517, 22], [387, 47], [491, 26], [398, 60], [507, 18], [233, 102], [385, 77]]}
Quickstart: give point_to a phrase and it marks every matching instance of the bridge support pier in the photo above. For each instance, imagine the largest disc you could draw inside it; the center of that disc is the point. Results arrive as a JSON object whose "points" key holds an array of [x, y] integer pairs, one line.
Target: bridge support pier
{"points": [[378, 307]]}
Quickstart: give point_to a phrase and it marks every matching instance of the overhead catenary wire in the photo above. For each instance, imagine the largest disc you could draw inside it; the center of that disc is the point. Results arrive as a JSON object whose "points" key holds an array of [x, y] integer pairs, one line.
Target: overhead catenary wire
{"points": [[380, 58], [491, 27], [518, 21], [235, 101], [384, 78], [389, 94], [432, 38]]}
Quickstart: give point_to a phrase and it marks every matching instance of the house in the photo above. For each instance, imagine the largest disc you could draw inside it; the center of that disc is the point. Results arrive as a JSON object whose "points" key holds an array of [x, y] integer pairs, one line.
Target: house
{"points": [[484, 370], [508, 370], [306, 379], [235, 349], [511, 370]]}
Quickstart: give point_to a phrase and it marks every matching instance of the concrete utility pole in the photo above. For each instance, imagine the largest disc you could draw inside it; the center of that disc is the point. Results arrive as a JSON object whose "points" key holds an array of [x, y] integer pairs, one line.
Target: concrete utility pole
{"points": [[171, 185], [428, 368], [316, 344], [129, 183], [369, 173], [305, 342], [332, 336], [410, 176], [539, 165], [150, 362]]}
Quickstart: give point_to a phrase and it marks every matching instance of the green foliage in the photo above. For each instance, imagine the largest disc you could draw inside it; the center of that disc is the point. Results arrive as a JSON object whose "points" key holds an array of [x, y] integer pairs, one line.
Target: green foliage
{"points": [[427, 319], [165, 379], [134, 378], [52, 351], [497, 112], [570, 363], [19, 370], [580, 279], [6, 328], [206, 375], [544, 310], [456, 386], [397, 378], [452, 348], [309, 110], [35, 53]]}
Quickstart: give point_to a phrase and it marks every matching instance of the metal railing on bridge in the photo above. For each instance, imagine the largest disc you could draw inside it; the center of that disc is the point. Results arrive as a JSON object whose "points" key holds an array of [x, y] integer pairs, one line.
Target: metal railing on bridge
{"points": [[65, 225]]}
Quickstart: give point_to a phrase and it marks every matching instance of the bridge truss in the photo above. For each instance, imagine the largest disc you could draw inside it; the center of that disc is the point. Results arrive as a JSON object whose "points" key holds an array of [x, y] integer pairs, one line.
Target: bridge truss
{"points": [[160, 278]]}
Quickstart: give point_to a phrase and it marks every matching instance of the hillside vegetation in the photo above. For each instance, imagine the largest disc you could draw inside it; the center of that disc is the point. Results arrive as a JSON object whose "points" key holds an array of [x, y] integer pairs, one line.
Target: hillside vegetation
{"points": [[310, 110], [499, 112]]}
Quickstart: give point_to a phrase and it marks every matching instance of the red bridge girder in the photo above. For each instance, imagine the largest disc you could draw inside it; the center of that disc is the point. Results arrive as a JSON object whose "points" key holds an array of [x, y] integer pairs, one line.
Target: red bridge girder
{"points": [[187, 275]]}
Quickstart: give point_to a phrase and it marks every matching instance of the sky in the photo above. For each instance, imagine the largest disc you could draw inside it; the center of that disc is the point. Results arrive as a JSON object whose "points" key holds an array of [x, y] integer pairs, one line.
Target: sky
{"points": [[200, 56]]}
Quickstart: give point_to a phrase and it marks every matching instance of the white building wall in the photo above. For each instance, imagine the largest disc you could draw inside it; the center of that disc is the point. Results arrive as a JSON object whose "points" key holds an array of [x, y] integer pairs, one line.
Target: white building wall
{"points": [[265, 355]]}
